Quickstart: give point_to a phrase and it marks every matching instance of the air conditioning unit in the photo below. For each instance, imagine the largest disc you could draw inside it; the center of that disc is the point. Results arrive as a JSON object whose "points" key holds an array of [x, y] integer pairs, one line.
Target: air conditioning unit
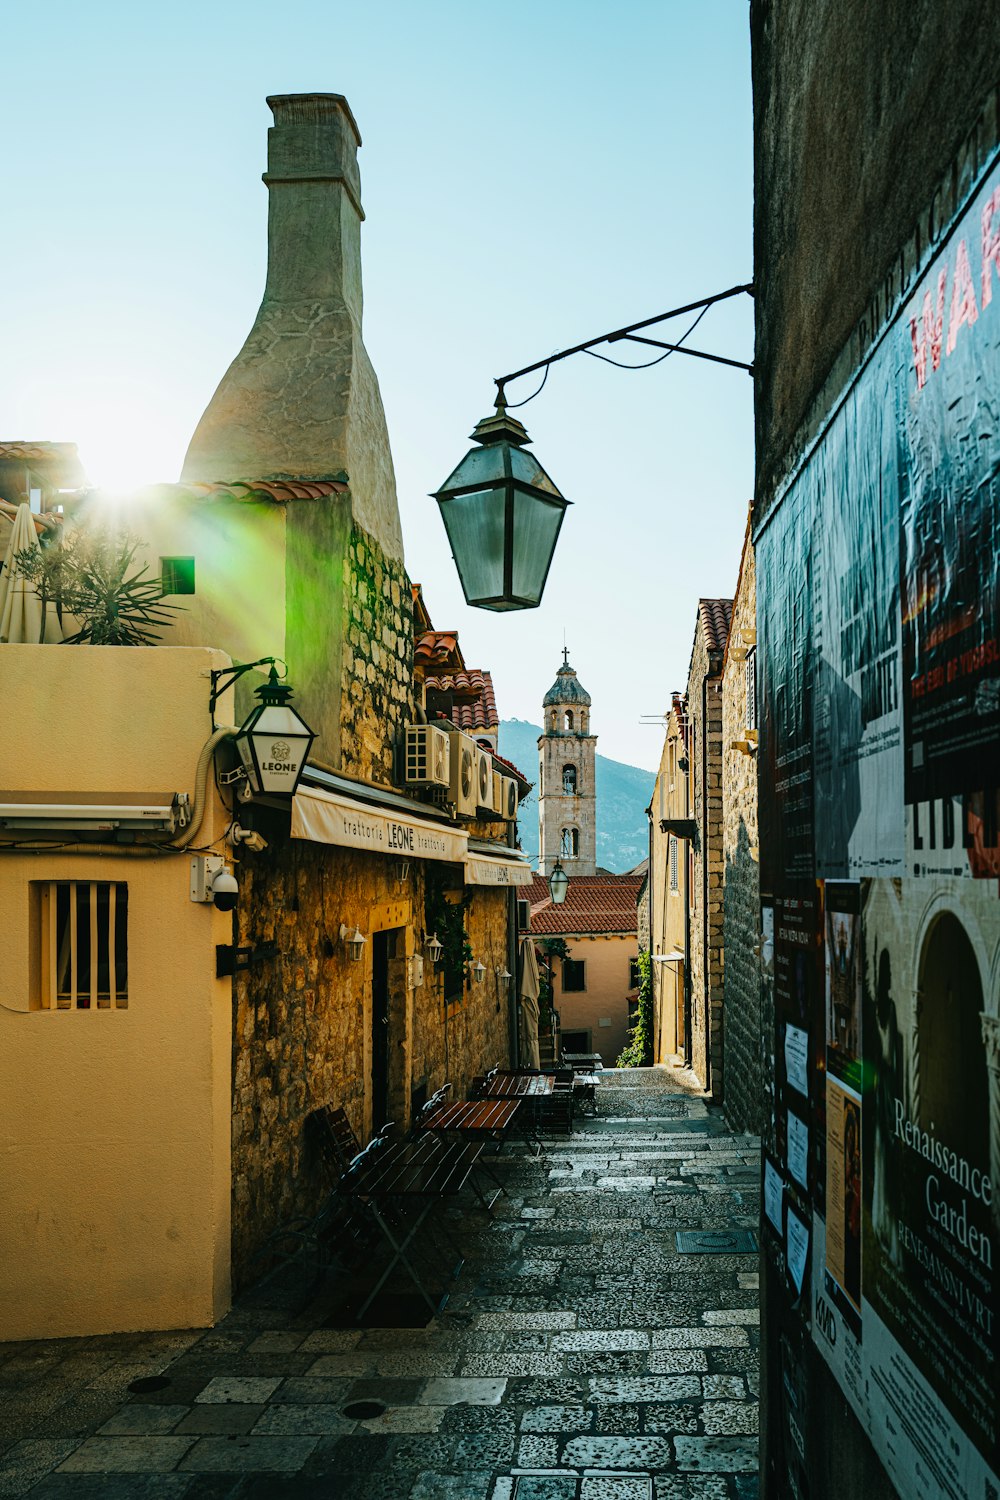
{"points": [[426, 756], [498, 794], [464, 785], [484, 779], [74, 818], [508, 805]]}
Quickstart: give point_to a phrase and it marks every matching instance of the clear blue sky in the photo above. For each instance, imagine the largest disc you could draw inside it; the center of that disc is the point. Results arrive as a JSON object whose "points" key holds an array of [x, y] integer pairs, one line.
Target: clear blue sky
{"points": [[533, 174]]}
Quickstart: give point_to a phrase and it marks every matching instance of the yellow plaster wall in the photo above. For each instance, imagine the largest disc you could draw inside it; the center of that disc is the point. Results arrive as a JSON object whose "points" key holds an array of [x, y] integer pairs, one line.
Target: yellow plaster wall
{"points": [[670, 800], [115, 1124], [607, 976]]}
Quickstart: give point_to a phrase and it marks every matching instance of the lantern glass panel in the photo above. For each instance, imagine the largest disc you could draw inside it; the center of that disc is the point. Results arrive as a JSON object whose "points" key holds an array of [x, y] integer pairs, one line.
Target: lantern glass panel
{"points": [[475, 527], [536, 527], [479, 466], [525, 467]]}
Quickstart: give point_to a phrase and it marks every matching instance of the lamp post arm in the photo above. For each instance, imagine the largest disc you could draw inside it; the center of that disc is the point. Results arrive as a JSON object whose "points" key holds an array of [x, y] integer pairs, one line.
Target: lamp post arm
{"points": [[621, 333], [233, 674]]}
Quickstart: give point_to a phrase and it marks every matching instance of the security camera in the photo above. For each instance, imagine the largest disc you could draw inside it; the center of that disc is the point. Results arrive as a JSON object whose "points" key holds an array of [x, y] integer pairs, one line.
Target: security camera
{"points": [[225, 891]]}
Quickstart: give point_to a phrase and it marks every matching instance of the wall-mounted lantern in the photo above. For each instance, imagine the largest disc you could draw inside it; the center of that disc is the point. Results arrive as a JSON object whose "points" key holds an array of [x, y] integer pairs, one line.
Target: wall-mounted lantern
{"points": [[558, 884], [503, 980], [353, 940], [433, 948], [478, 971]]}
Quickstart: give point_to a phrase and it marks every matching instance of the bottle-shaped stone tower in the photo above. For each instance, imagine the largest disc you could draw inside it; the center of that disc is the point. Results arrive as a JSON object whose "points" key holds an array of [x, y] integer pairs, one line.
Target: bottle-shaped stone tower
{"points": [[567, 801]]}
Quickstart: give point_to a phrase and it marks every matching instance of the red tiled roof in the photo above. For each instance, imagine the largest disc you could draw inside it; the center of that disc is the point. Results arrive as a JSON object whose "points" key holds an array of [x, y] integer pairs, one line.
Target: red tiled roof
{"points": [[472, 692], [438, 648], [716, 616], [594, 903], [421, 617], [280, 490]]}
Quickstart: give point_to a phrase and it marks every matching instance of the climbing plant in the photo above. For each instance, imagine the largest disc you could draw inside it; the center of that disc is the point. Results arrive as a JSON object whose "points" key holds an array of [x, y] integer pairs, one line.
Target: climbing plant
{"points": [[639, 1052]]}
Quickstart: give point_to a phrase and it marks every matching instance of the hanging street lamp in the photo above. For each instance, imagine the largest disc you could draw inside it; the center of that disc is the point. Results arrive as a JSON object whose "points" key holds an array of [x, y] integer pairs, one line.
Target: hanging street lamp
{"points": [[558, 884], [500, 509], [502, 514]]}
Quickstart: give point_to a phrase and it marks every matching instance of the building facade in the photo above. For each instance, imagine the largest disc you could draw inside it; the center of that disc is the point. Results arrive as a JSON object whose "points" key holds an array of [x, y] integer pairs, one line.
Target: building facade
{"points": [[741, 1019], [195, 1082], [671, 840], [877, 376], [703, 710]]}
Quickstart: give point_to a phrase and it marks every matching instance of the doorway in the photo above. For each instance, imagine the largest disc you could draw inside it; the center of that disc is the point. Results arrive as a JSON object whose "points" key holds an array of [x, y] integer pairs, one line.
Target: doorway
{"points": [[380, 1029]]}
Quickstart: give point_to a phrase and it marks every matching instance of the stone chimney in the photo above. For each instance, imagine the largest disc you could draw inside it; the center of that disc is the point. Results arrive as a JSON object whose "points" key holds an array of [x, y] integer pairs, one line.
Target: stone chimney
{"points": [[301, 400]]}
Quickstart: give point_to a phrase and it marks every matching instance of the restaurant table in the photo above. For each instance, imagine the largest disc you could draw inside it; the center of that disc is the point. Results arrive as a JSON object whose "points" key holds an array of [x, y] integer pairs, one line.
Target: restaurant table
{"points": [[487, 1119], [410, 1177], [519, 1085], [585, 1086], [584, 1062]]}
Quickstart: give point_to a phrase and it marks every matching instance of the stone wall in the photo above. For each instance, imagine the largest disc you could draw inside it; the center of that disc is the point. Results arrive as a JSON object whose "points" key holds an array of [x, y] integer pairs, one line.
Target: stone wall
{"points": [[741, 883], [704, 699], [377, 660], [303, 1019]]}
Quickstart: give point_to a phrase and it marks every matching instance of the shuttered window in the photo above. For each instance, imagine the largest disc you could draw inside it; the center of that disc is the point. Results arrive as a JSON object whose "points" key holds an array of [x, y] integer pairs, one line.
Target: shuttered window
{"points": [[84, 944]]}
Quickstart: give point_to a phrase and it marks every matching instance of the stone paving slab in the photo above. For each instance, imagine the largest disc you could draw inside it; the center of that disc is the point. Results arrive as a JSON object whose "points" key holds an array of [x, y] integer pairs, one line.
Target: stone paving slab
{"points": [[579, 1354]]}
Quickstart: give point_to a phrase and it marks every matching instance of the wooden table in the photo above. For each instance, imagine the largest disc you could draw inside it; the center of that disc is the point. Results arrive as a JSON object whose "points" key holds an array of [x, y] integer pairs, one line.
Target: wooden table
{"points": [[486, 1119], [519, 1085], [410, 1175], [584, 1062]]}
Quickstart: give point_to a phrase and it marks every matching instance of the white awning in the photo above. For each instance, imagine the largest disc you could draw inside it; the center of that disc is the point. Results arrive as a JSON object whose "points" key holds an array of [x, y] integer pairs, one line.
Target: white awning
{"points": [[327, 818], [481, 870]]}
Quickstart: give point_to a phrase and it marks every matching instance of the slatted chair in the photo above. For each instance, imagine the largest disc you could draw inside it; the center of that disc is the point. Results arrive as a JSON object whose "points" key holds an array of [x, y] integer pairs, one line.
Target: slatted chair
{"points": [[555, 1111], [334, 1137]]}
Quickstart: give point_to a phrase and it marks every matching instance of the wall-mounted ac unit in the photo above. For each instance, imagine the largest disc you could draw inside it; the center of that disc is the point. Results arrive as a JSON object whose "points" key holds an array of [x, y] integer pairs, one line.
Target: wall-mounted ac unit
{"points": [[508, 804], [426, 756], [92, 817], [464, 785], [484, 779]]}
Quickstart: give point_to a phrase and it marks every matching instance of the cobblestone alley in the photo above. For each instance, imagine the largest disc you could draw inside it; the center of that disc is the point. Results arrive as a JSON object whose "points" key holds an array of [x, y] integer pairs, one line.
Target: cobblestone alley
{"points": [[580, 1355]]}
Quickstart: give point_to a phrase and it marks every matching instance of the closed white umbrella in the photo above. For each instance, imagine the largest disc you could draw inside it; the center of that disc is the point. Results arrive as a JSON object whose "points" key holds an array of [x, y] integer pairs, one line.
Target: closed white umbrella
{"points": [[20, 603], [529, 1006]]}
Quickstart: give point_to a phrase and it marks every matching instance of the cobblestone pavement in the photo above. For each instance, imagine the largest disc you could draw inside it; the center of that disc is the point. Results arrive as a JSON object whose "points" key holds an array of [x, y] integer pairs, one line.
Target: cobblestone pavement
{"points": [[580, 1354]]}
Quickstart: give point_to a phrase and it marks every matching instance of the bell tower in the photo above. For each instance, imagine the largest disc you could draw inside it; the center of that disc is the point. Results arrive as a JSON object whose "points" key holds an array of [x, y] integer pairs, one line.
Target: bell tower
{"points": [[567, 793]]}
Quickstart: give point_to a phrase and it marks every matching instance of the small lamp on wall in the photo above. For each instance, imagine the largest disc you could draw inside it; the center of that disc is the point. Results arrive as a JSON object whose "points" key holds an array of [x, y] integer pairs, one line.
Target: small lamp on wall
{"points": [[477, 971], [433, 948], [503, 980], [354, 941]]}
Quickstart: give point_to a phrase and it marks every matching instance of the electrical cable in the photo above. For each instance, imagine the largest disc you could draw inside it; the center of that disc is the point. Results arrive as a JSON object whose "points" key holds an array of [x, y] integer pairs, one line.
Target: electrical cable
{"points": [[541, 388], [649, 362]]}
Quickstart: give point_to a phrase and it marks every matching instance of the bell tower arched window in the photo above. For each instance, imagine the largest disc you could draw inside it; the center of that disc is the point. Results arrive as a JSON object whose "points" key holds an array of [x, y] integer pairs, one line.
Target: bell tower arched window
{"points": [[569, 781], [569, 843], [568, 719]]}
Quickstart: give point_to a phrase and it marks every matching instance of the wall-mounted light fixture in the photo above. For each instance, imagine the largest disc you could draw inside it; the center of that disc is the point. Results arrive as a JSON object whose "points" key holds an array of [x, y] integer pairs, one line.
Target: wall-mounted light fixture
{"points": [[503, 980], [477, 971], [433, 948], [353, 940], [274, 741]]}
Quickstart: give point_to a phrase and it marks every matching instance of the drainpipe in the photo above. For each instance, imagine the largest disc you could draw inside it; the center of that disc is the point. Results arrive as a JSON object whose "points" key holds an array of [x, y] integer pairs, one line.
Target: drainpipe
{"points": [[704, 868], [514, 989]]}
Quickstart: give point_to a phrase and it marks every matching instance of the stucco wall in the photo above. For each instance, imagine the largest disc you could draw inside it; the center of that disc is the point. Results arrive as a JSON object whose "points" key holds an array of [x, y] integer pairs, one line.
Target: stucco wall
{"points": [[606, 995], [741, 888], [114, 1131], [667, 924], [303, 1019]]}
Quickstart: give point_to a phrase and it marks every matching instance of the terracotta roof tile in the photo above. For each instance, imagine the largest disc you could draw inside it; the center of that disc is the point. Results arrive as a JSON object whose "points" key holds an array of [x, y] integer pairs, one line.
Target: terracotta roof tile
{"points": [[438, 648], [594, 903], [280, 490], [716, 616], [509, 765]]}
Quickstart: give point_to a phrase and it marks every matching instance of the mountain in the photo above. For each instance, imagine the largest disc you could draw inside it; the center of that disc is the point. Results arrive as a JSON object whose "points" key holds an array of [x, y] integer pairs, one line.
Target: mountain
{"points": [[623, 794]]}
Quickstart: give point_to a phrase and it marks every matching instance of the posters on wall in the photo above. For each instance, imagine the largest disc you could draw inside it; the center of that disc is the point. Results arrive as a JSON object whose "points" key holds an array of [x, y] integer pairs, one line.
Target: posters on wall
{"points": [[879, 590]]}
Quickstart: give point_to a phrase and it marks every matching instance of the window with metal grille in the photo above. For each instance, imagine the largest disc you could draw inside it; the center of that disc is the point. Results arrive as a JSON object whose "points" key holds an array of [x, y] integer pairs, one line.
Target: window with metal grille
{"points": [[673, 863], [751, 671], [574, 975], [177, 575], [84, 944]]}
